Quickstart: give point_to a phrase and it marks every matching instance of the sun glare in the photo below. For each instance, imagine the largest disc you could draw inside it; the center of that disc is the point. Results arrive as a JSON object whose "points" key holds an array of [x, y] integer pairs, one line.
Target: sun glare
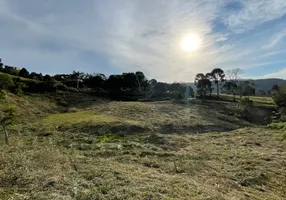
{"points": [[191, 43]]}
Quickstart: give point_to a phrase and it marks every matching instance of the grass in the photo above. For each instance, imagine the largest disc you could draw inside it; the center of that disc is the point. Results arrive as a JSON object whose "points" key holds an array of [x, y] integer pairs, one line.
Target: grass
{"points": [[185, 151], [278, 125], [29, 107], [258, 101], [77, 117]]}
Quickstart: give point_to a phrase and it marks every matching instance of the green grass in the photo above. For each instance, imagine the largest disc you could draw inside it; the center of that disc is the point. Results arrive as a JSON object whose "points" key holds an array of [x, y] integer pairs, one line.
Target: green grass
{"points": [[185, 151], [278, 125], [258, 101]]}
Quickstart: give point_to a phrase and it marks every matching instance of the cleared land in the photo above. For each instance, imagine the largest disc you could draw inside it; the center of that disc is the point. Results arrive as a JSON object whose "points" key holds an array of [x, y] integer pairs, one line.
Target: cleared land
{"points": [[98, 149]]}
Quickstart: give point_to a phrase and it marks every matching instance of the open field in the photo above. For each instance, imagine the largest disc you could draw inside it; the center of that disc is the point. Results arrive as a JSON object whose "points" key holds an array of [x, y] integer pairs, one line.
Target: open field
{"points": [[99, 149], [258, 100]]}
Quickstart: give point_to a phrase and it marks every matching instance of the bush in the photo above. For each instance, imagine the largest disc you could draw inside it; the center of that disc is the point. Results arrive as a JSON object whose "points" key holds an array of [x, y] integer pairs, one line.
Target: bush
{"points": [[38, 87], [18, 86], [280, 96], [6, 82], [244, 106]]}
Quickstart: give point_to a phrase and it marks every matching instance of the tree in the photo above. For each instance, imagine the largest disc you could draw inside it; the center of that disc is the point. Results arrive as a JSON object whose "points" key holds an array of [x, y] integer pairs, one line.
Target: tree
{"points": [[210, 77], [47, 78], [246, 88], [217, 75], [141, 82], [231, 87], [24, 73], [234, 74], [203, 84], [7, 118], [274, 89], [11, 70], [36, 76], [95, 81], [1, 65], [177, 90]]}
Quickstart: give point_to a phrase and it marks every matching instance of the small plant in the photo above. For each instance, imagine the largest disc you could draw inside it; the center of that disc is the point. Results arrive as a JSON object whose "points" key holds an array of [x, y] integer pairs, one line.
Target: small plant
{"points": [[7, 118]]}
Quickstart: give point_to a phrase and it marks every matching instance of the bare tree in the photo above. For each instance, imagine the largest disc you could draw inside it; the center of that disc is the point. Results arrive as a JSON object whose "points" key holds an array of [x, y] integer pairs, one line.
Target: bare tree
{"points": [[233, 76]]}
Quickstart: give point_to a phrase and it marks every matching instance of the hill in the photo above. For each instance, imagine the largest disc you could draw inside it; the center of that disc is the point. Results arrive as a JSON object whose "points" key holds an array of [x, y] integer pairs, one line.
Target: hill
{"points": [[76, 146], [266, 84], [262, 84]]}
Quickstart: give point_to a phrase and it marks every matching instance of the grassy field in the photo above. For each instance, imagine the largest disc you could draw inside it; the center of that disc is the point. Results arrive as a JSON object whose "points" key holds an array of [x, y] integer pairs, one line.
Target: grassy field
{"points": [[99, 149], [258, 100]]}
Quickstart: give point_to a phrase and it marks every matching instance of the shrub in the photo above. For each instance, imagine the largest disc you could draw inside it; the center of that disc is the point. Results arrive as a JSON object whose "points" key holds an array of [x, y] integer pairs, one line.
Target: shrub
{"points": [[18, 86], [280, 96], [244, 106], [38, 87], [6, 82]]}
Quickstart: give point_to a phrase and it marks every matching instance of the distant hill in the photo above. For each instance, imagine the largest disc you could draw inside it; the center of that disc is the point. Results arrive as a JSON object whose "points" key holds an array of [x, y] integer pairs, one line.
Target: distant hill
{"points": [[266, 84], [262, 84]]}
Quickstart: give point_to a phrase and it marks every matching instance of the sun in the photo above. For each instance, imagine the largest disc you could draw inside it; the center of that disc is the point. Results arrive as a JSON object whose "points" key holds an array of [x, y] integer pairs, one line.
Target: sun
{"points": [[191, 43]]}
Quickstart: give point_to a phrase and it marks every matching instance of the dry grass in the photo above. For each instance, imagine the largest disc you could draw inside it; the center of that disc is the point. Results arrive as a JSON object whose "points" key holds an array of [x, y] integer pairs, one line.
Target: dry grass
{"points": [[168, 117], [29, 107], [30, 168], [89, 160]]}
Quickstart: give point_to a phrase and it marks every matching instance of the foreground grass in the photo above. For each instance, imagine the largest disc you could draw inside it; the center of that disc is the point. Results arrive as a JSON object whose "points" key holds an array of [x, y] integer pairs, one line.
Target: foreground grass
{"points": [[134, 150], [242, 164]]}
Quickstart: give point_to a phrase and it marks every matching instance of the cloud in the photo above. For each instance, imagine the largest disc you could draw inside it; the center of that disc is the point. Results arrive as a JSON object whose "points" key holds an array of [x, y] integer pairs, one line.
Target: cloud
{"points": [[279, 74], [276, 39], [254, 13], [129, 35]]}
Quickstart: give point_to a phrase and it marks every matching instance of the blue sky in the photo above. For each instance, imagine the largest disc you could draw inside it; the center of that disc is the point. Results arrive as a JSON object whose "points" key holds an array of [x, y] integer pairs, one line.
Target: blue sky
{"points": [[115, 36]]}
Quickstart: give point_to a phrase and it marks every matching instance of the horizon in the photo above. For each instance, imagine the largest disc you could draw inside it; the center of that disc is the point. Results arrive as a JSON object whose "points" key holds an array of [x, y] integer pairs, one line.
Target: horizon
{"points": [[113, 37]]}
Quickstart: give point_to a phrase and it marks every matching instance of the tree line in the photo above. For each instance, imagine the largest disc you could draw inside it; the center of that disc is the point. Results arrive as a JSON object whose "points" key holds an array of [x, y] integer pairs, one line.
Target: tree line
{"points": [[224, 82], [122, 87]]}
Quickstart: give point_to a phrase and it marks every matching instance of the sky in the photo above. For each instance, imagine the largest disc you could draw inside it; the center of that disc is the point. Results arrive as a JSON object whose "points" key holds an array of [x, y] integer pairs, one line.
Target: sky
{"points": [[116, 36]]}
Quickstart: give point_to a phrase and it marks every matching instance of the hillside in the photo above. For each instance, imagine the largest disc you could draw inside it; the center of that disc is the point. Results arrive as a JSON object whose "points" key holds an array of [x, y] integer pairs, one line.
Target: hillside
{"points": [[92, 148], [266, 84]]}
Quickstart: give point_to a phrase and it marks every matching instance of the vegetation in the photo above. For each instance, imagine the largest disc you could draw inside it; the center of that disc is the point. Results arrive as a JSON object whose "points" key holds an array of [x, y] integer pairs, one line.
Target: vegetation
{"points": [[7, 118], [100, 149], [128, 86], [217, 75], [203, 84], [73, 141]]}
